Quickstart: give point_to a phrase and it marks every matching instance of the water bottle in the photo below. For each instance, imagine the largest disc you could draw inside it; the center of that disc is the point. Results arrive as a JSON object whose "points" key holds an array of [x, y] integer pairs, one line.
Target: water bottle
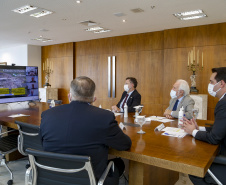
{"points": [[125, 111], [180, 116]]}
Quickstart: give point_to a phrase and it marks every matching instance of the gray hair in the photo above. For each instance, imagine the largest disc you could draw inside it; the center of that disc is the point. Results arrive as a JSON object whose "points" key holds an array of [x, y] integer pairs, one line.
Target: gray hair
{"points": [[82, 89], [184, 86]]}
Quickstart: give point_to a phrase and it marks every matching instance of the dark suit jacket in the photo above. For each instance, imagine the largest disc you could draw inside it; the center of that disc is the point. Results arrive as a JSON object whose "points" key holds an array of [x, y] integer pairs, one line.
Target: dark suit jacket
{"points": [[134, 100], [82, 129], [217, 133]]}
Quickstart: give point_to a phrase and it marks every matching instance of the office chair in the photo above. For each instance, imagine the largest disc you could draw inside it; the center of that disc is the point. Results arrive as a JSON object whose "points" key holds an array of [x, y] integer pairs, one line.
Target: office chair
{"points": [[53, 168], [219, 160], [8, 144], [28, 138]]}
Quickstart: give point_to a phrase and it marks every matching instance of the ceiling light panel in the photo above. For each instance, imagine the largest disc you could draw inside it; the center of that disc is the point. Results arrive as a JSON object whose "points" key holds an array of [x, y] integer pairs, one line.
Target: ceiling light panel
{"points": [[101, 31], [194, 14], [188, 13], [42, 13], [94, 28], [24, 9], [193, 17]]}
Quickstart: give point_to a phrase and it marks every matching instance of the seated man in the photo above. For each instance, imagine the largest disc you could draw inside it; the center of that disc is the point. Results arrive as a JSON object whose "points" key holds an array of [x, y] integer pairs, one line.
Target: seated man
{"points": [[180, 98], [82, 129], [215, 134], [130, 96]]}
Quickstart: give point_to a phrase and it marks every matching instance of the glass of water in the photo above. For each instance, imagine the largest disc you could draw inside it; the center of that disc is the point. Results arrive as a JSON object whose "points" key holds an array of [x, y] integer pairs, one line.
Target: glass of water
{"points": [[140, 120], [195, 113]]}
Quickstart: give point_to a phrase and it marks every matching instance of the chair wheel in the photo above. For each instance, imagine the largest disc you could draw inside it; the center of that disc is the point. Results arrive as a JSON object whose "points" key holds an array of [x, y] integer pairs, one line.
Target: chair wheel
{"points": [[10, 182]]}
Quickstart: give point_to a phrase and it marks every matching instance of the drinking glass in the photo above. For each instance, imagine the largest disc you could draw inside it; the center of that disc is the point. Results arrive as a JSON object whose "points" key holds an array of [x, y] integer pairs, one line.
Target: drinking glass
{"points": [[195, 113], [140, 120]]}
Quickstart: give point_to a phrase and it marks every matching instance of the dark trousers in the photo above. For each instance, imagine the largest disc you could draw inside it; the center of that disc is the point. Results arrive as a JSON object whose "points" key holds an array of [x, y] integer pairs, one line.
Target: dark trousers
{"points": [[113, 176], [217, 169]]}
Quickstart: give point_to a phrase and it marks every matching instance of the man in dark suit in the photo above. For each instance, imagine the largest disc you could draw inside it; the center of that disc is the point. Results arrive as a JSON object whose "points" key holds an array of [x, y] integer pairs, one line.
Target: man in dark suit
{"points": [[217, 133], [82, 129], [130, 96]]}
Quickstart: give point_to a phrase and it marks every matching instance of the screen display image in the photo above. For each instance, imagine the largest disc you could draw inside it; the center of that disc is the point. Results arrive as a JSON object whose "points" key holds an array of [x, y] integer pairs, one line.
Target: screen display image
{"points": [[18, 83]]}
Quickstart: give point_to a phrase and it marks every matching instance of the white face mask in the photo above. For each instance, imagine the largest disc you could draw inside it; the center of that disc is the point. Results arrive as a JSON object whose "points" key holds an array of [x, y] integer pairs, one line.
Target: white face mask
{"points": [[173, 93], [210, 90], [126, 87]]}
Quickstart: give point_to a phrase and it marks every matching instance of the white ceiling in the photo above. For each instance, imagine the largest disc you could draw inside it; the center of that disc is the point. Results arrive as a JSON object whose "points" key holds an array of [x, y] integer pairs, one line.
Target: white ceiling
{"points": [[18, 29]]}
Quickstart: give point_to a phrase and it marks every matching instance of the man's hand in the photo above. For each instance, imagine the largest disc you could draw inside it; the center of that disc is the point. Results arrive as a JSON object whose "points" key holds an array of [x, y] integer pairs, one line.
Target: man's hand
{"points": [[189, 125], [167, 113], [115, 108]]}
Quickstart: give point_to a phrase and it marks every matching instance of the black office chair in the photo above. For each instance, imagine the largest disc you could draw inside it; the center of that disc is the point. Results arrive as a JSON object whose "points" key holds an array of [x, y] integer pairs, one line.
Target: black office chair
{"points": [[28, 137], [218, 160], [8, 144], [53, 168]]}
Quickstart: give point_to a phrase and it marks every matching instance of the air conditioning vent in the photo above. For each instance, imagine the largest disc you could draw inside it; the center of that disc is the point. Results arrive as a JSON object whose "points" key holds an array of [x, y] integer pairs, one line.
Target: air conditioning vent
{"points": [[88, 23], [137, 10]]}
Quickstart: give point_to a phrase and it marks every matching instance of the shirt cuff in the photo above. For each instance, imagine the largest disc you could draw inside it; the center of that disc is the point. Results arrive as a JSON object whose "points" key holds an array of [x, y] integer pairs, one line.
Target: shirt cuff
{"points": [[121, 110], [194, 132], [171, 113], [202, 128]]}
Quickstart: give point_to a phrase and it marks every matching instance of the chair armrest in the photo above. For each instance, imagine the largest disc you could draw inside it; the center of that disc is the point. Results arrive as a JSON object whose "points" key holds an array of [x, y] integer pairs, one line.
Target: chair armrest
{"points": [[7, 132], [104, 175], [220, 159]]}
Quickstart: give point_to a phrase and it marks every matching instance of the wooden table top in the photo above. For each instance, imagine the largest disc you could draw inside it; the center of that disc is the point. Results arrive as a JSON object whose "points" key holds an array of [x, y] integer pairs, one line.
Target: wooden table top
{"points": [[185, 155]]}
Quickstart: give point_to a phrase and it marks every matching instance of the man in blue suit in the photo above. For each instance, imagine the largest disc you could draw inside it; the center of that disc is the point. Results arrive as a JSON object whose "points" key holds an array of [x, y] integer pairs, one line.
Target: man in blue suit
{"points": [[82, 129]]}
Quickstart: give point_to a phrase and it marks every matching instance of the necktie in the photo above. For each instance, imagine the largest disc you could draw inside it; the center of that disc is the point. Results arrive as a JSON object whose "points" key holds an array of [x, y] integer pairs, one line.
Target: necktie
{"points": [[125, 100], [175, 105]]}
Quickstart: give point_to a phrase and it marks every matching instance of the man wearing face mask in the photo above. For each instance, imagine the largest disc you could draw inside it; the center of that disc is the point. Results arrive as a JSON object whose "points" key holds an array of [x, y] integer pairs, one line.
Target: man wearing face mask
{"points": [[217, 133], [82, 129], [130, 96], [180, 98]]}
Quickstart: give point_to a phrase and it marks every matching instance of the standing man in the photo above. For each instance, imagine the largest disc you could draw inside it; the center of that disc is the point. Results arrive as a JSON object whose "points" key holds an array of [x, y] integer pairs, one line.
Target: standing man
{"points": [[217, 133], [82, 129], [130, 96], [180, 98]]}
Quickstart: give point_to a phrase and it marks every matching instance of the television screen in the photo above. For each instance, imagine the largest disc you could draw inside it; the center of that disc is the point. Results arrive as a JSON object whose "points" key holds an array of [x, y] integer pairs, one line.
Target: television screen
{"points": [[18, 83]]}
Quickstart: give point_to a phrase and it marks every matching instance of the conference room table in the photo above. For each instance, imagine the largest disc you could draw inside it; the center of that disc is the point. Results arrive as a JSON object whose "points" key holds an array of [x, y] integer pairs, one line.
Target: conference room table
{"points": [[153, 157]]}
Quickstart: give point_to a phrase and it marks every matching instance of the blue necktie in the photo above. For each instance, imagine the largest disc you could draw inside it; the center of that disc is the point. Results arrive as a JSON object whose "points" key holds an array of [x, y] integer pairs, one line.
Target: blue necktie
{"points": [[175, 105]]}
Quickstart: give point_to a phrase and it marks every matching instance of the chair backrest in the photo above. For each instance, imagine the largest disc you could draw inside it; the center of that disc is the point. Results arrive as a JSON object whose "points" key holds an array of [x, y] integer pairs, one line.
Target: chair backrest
{"points": [[60, 169], [59, 102], [28, 137]]}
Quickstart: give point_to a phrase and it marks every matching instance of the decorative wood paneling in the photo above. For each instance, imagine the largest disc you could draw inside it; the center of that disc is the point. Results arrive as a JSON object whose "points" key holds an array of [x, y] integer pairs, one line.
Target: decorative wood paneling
{"points": [[62, 57], [156, 59]]}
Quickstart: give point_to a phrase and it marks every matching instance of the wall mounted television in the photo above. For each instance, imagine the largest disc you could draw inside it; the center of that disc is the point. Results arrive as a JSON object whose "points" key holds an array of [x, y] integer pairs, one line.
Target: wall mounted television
{"points": [[18, 83]]}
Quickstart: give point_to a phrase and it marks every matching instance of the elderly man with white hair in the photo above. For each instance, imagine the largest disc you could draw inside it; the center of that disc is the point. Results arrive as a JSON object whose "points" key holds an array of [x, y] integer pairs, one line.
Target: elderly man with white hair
{"points": [[180, 98]]}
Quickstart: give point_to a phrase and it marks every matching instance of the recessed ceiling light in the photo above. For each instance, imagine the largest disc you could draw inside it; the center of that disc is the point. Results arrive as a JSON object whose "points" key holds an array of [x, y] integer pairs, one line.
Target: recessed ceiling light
{"points": [[78, 2], [101, 31], [193, 12], [193, 17], [94, 28], [123, 20], [40, 38], [24, 9], [42, 13]]}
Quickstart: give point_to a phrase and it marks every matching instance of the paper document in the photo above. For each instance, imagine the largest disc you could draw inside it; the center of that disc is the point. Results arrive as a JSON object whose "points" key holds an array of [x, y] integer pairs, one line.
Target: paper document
{"points": [[174, 132], [17, 115], [158, 118]]}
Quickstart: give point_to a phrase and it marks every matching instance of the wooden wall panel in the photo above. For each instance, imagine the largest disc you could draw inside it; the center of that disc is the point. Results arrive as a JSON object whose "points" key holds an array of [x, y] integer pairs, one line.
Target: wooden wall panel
{"points": [[62, 56], [156, 59]]}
